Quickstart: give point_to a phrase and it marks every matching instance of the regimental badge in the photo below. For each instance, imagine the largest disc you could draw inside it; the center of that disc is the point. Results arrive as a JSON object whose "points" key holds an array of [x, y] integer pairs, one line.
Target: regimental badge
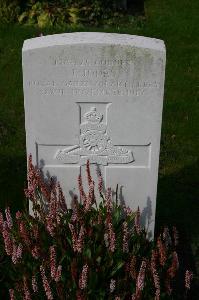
{"points": [[95, 144]]}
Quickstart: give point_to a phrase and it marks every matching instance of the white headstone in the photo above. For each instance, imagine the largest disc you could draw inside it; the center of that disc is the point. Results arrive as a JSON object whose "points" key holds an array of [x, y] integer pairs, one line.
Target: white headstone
{"points": [[97, 96]]}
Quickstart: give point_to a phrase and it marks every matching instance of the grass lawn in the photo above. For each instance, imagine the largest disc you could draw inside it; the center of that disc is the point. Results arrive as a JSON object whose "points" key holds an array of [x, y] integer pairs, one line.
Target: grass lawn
{"points": [[177, 23]]}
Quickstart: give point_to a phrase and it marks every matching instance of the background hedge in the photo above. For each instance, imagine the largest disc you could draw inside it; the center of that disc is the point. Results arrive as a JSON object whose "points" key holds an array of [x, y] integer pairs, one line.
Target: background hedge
{"points": [[48, 13]]}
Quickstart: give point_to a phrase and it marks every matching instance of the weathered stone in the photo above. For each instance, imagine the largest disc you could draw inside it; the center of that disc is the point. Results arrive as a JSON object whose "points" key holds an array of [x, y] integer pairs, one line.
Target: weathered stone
{"points": [[97, 96]]}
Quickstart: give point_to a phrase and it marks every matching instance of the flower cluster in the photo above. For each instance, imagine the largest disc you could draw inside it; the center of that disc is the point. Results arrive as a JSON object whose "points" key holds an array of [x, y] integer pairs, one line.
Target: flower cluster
{"points": [[77, 240], [84, 277], [55, 271], [93, 250]]}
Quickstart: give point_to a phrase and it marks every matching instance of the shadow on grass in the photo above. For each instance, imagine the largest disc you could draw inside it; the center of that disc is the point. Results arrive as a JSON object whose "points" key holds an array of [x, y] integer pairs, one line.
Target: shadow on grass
{"points": [[12, 182], [177, 205]]}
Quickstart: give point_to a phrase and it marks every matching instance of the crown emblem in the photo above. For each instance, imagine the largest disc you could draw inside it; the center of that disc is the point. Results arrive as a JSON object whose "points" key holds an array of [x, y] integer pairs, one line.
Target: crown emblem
{"points": [[93, 116]]}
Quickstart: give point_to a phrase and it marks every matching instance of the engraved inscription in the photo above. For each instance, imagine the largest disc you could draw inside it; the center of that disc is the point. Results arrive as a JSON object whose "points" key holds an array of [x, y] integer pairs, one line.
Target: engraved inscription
{"points": [[95, 77], [95, 144], [93, 87], [107, 92], [87, 62]]}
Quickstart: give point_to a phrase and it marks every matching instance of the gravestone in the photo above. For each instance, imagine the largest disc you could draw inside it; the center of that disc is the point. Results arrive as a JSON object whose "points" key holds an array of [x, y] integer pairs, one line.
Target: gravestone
{"points": [[97, 96]]}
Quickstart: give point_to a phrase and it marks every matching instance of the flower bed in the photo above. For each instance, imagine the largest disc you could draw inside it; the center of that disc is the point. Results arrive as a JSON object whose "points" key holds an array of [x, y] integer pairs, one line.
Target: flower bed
{"points": [[89, 251]]}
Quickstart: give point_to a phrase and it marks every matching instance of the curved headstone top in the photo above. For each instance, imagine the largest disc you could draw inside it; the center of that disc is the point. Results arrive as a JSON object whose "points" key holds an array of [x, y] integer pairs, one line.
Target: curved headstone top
{"points": [[93, 38]]}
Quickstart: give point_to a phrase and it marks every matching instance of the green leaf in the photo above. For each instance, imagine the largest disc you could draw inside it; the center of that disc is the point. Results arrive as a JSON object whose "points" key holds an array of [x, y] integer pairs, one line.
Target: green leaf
{"points": [[88, 253], [44, 20], [69, 240], [74, 15], [99, 260], [116, 215], [22, 17], [117, 267]]}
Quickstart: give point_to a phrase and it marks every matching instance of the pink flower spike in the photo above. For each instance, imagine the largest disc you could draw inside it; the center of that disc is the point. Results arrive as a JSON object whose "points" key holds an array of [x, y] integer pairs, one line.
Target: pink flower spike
{"points": [[18, 215], [156, 279], [82, 193], [53, 262], [128, 211], [90, 198], [188, 279], [8, 218], [133, 267], [34, 284], [26, 290], [112, 285], [133, 297], [106, 240], [137, 221], [24, 233], [1, 221], [49, 225], [46, 284], [108, 200], [74, 216], [14, 252], [35, 230], [74, 236], [125, 237], [19, 251], [100, 182], [7, 238], [174, 266], [58, 273], [62, 200], [80, 240], [12, 296], [141, 277], [111, 234], [162, 252], [83, 278], [88, 173], [35, 252]]}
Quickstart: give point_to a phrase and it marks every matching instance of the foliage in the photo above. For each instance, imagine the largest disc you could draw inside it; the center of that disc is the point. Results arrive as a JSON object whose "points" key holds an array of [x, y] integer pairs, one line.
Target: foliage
{"points": [[42, 14], [88, 251], [9, 11], [48, 13]]}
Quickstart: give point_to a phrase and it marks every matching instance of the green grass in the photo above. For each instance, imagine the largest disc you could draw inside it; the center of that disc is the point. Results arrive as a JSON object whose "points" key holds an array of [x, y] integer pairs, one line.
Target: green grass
{"points": [[174, 21]]}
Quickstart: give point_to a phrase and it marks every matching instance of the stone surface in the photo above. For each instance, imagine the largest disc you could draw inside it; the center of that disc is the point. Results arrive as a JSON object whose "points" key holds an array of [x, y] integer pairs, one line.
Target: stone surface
{"points": [[97, 96]]}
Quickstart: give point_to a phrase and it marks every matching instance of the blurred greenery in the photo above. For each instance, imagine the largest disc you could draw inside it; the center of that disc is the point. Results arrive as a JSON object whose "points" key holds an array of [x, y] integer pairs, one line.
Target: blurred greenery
{"points": [[176, 22], [49, 13]]}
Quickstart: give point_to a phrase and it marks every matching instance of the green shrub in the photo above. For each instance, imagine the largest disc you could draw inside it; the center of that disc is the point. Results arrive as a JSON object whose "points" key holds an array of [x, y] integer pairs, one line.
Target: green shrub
{"points": [[9, 11], [43, 14], [49, 13]]}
